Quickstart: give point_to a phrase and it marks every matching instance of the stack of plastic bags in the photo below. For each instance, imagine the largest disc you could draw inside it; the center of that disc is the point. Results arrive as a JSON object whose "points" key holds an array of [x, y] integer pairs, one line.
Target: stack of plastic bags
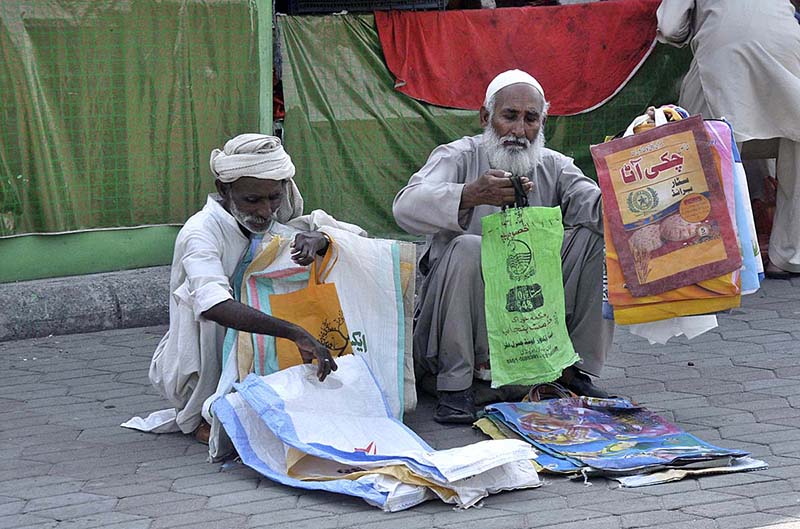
{"points": [[613, 438], [339, 435], [690, 309]]}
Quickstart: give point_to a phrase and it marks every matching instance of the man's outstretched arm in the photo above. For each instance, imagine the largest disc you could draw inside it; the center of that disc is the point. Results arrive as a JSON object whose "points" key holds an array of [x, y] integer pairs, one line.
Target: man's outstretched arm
{"points": [[236, 315]]}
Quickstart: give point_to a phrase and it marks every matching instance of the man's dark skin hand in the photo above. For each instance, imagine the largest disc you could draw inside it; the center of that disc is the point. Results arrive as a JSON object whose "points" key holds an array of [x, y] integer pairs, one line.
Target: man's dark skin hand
{"points": [[259, 199], [308, 244], [238, 316], [493, 188]]}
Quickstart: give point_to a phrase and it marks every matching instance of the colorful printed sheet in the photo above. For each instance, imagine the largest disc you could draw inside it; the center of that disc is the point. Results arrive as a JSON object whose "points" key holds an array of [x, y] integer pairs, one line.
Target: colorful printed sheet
{"points": [[611, 435], [492, 425]]}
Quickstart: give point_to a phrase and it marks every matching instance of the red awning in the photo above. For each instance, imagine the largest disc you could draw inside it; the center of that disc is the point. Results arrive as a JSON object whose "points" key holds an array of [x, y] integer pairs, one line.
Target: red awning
{"points": [[582, 54]]}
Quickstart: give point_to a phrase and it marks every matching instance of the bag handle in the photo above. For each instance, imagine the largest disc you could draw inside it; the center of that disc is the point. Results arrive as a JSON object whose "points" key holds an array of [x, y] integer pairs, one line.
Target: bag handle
{"points": [[520, 197], [660, 116], [315, 278]]}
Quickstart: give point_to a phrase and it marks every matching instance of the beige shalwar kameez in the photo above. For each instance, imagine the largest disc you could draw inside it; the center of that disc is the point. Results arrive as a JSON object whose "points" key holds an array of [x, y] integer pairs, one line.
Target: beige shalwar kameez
{"points": [[450, 327]]}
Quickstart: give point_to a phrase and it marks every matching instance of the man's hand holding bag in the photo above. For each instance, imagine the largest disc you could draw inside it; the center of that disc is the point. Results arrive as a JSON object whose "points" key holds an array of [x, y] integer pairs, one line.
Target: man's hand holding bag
{"points": [[315, 308]]}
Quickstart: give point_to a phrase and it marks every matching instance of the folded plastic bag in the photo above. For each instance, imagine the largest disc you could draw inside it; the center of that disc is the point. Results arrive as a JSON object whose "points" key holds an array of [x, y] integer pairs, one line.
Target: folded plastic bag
{"points": [[346, 424]]}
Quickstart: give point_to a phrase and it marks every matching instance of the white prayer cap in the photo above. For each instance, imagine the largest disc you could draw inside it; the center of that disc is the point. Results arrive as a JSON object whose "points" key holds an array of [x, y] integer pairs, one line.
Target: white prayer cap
{"points": [[256, 155], [507, 79]]}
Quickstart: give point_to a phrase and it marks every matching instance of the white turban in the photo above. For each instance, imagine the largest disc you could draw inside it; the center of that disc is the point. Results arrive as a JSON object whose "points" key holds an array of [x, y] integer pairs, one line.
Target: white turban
{"points": [[259, 156], [507, 79], [255, 155]]}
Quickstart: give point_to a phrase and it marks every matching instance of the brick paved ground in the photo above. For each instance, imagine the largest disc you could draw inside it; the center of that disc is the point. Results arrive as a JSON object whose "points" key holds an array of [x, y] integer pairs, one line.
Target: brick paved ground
{"points": [[67, 464]]}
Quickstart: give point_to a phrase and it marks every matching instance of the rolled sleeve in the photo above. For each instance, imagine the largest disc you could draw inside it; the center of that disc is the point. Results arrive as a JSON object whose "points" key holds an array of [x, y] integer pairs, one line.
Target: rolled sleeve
{"points": [[206, 283]]}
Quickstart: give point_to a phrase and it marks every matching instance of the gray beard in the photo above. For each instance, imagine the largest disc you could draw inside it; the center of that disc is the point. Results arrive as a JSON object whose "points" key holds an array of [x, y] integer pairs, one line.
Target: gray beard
{"points": [[252, 223], [518, 160]]}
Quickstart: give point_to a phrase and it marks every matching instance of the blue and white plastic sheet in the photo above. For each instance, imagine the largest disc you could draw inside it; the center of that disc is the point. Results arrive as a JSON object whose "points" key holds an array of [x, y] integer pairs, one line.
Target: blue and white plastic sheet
{"points": [[281, 419], [368, 280]]}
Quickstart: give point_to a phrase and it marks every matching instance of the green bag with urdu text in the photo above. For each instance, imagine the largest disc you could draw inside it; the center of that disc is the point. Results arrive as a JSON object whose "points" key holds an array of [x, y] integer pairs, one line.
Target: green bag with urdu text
{"points": [[524, 299]]}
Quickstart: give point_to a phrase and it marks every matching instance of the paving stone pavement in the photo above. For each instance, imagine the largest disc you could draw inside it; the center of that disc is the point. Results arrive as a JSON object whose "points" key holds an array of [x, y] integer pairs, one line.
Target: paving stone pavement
{"points": [[65, 462]]}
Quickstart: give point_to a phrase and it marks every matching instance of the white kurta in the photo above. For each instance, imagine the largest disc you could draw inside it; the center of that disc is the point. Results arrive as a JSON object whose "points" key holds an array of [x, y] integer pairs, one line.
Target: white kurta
{"points": [[746, 65], [187, 362]]}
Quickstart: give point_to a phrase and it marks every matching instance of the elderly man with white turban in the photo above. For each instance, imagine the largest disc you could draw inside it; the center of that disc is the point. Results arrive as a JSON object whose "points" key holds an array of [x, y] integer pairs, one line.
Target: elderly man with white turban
{"points": [[445, 200], [254, 180]]}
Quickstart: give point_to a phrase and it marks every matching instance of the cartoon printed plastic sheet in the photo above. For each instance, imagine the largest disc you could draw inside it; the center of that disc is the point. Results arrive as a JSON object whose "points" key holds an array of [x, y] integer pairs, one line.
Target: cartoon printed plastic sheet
{"points": [[610, 435]]}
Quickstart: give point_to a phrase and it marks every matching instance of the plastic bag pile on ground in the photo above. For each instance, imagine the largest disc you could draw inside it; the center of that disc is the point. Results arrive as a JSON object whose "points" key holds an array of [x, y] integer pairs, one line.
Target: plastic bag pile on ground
{"points": [[609, 437], [339, 435]]}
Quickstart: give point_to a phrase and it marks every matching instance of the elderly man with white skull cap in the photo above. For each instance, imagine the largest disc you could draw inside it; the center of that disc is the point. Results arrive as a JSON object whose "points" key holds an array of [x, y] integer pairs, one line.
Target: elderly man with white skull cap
{"points": [[255, 188], [445, 200]]}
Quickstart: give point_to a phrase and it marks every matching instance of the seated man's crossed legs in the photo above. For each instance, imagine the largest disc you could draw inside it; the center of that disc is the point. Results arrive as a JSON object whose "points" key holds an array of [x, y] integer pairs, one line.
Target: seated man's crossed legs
{"points": [[450, 337]]}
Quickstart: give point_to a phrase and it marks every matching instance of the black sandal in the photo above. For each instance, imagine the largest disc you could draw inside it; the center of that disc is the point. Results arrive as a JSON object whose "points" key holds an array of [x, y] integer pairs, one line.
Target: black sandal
{"points": [[456, 407]]}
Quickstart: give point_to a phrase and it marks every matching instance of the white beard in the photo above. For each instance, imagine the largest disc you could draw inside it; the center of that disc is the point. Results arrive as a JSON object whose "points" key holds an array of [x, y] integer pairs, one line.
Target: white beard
{"points": [[519, 159], [252, 223]]}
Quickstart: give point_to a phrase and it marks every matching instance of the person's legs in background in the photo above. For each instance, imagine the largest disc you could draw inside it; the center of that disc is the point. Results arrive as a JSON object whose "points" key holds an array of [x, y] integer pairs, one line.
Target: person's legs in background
{"points": [[784, 242]]}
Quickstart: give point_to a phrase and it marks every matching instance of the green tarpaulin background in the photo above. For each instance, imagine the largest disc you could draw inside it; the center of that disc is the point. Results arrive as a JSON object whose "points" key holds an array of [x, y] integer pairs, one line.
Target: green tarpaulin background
{"points": [[109, 111], [356, 141]]}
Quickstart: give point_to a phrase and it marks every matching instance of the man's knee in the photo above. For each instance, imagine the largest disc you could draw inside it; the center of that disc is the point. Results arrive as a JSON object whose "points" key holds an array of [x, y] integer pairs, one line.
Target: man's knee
{"points": [[466, 246], [582, 244], [465, 254]]}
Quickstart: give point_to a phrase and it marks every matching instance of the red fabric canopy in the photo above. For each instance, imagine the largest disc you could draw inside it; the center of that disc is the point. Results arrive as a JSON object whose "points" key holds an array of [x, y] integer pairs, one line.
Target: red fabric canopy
{"points": [[582, 54]]}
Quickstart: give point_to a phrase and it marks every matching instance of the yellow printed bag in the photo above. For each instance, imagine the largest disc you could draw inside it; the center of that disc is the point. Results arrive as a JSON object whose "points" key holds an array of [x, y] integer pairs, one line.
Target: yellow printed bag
{"points": [[315, 308]]}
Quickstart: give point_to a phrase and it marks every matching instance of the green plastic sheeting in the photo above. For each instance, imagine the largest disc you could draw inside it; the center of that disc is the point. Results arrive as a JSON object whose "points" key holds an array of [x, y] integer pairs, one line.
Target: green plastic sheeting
{"points": [[82, 252], [355, 140], [109, 109]]}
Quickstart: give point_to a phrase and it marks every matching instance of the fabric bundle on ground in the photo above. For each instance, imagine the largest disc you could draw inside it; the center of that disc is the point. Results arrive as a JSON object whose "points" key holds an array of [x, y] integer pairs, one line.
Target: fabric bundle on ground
{"points": [[339, 435], [609, 437]]}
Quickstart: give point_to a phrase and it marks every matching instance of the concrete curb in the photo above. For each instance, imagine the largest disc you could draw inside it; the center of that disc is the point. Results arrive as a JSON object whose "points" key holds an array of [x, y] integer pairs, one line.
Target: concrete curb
{"points": [[79, 304]]}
